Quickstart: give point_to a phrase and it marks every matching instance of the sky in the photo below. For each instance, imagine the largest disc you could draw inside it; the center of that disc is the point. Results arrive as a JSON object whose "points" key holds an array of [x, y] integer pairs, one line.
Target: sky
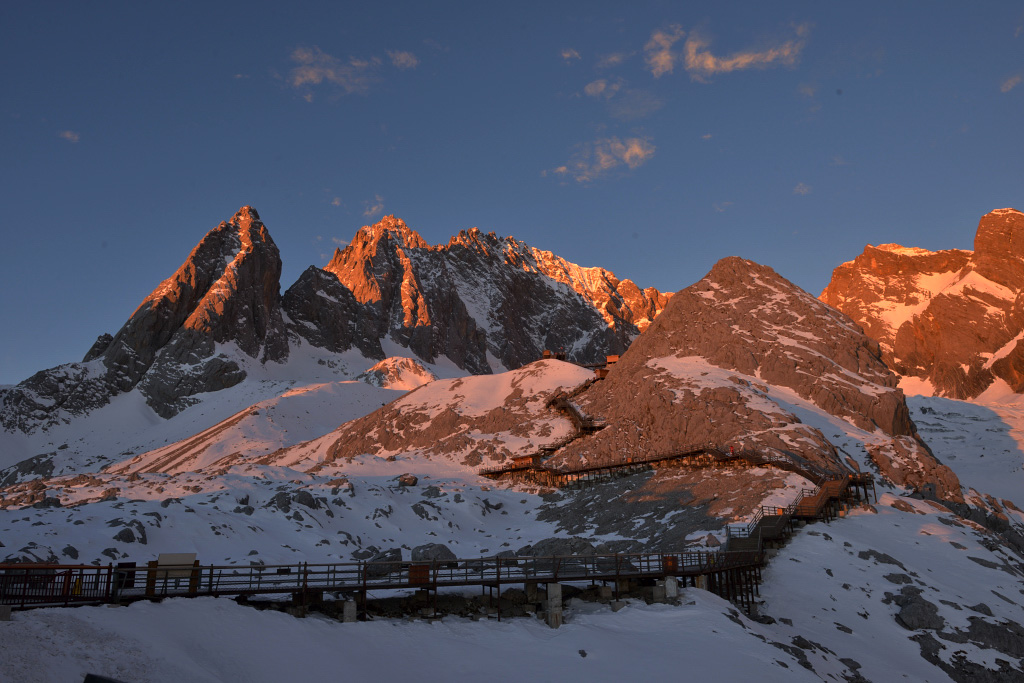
{"points": [[651, 140]]}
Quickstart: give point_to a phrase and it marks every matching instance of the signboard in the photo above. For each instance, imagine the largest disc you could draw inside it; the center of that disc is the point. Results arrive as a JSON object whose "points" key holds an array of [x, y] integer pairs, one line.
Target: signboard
{"points": [[175, 565]]}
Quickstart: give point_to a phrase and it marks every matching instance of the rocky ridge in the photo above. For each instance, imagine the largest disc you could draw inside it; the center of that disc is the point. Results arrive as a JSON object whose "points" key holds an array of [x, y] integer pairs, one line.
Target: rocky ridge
{"points": [[483, 294], [732, 359], [951, 318]]}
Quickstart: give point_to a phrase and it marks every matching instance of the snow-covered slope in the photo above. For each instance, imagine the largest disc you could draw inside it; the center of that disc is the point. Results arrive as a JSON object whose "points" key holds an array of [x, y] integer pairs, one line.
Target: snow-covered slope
{"points": [[126, 425]]}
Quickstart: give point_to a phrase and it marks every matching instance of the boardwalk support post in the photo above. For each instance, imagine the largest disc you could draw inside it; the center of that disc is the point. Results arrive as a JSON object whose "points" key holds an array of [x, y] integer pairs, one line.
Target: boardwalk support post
{"points": [[554, 613], [671, 588]]}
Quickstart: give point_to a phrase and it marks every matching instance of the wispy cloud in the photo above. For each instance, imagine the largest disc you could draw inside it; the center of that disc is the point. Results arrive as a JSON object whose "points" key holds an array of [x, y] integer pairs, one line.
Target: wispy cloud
{"points": [[701, 63], [372, 208], [314, 67], [807, 90], [706, 136], [340, 242], [69, 135], [336, 201], [569, 54], [614, 59], [594, 159], [403, 60], [658, 51], [1010, 83], [721, 207], [603, 87], [802, 189]]}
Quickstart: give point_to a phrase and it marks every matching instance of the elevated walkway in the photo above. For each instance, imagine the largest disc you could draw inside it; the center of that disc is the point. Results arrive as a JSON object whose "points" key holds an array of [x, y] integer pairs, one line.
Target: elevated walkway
{"points": [[732, 574]]}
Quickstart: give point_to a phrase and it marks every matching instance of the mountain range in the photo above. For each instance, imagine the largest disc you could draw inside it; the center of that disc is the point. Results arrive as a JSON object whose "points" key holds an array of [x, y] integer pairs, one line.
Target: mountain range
{"points": [[351, 418]]}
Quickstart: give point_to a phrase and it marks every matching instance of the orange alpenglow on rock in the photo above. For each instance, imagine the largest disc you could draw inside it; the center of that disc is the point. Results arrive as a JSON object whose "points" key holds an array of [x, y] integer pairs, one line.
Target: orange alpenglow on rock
{"points": [[950, 318]]}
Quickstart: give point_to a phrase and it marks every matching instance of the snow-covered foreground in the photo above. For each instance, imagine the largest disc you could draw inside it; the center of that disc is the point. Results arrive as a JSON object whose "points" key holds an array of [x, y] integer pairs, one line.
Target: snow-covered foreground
{"points": [[838, 593], [217, 641]]}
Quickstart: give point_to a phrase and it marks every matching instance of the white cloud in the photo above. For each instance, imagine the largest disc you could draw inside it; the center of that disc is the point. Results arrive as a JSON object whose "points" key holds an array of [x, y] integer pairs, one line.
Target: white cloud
{"points": [[1010, 83], [706, 136], [802, 189], [658, 51], [374, 207], [569, 54], [700, 63], [594, 159], [340, 242], [69, 135], [314, 67], [403, 60], [336, 201]]}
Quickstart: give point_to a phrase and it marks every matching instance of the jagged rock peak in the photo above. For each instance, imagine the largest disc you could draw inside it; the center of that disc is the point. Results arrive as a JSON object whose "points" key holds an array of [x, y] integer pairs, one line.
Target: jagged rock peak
{"points": [[226, 292], [391, 228], [951, 318], [246, 214], [999, 247]]}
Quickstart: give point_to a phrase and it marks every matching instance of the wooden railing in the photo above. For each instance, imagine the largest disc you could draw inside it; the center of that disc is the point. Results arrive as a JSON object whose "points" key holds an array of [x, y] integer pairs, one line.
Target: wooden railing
{"points": [[36, 585]]}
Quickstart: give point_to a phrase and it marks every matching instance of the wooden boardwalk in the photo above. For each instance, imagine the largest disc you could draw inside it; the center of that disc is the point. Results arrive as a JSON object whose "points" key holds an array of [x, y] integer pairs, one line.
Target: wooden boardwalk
{"points": [[773, 524], [534, 470], [734, 575]]}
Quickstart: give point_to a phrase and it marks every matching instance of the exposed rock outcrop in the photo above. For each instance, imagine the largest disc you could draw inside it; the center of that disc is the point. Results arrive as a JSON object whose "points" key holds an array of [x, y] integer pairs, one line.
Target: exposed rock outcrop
{"points": [[397, 373], [953, 318], [325, 313]]}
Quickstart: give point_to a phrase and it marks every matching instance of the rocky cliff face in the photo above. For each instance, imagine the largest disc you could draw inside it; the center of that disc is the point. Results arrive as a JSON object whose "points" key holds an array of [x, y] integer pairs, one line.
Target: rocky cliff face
{"points": [[226, 292], [733, 359], [953, 318], [482, 294]]}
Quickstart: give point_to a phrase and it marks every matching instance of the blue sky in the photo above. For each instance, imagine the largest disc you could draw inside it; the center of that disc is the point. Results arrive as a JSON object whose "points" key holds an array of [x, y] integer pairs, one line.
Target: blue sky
{"points": [[651, 140]]}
